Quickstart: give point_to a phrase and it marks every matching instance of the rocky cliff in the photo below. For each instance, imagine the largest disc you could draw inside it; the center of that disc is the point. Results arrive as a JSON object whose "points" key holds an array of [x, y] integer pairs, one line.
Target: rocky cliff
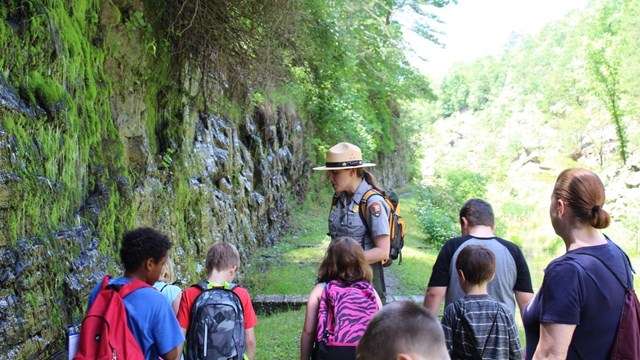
{"points": [[102, 129], [92, 143]]}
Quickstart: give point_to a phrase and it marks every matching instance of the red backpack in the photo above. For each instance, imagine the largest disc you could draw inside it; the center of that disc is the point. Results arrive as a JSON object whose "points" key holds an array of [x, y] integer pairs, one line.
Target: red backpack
{"points": [[105, 333]]}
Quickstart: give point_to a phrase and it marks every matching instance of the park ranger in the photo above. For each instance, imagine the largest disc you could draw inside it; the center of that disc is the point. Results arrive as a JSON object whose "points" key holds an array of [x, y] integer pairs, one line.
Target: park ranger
{"points": [[345, 172]]}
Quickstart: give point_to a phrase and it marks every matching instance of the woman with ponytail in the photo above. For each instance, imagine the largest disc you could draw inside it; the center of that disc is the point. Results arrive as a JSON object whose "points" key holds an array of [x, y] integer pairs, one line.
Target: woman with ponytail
{"points": [[576, 312]]}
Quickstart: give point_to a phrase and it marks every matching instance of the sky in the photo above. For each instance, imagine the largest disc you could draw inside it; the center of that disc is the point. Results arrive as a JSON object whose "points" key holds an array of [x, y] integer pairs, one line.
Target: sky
{"points": [[476, 28]]}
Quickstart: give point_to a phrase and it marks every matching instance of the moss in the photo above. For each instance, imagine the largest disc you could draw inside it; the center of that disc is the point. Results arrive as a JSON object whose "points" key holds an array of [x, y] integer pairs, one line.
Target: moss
{"points": [[54, 157]]}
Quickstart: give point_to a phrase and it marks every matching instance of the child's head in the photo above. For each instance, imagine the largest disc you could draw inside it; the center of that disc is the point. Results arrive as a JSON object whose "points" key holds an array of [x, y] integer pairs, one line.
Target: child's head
{"points": [[144, 249], [168, 274], [222, 256], [344, 260], [477, 264], [403, 330]]}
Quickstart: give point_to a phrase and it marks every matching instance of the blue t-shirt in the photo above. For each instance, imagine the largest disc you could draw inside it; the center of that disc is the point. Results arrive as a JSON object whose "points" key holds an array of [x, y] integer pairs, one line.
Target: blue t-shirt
{"points": [[150, 318], [578, 289]]}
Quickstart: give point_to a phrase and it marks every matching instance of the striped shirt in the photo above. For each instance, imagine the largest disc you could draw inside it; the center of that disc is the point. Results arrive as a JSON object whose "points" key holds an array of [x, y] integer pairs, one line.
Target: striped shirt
{"points": [[478, 327]]}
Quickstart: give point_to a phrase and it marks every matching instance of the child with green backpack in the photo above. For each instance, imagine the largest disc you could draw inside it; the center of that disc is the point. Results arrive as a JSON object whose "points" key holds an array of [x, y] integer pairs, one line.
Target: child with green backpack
{"points": [[217, 315]]}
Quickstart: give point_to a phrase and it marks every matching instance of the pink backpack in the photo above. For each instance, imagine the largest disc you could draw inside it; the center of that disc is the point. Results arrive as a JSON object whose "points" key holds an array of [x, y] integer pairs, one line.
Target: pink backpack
{"points": [[344, 313]]}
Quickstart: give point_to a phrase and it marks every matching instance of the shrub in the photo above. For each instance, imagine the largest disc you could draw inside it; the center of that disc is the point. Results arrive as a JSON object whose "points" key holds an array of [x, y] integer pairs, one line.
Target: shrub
{"points": [[440, 203]]}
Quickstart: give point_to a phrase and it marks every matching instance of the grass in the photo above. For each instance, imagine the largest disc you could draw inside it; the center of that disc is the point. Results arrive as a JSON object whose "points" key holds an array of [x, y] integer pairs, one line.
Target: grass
{"points": [[415, 270], [278, 335]]}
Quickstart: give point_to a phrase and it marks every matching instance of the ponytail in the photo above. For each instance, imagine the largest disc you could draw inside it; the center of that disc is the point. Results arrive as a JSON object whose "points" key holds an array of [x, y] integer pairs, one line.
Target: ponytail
{"points": [[370, 179]]}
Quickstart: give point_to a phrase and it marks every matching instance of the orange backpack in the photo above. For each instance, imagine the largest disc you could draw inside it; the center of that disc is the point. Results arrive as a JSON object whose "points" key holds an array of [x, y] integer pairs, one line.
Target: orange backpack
{"points": [[397, 226]]}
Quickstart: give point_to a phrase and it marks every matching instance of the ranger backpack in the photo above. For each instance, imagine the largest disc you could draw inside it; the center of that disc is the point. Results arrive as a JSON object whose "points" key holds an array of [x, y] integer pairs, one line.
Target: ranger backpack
{"points": [[105, 333], [216, 329], [397, 226]]}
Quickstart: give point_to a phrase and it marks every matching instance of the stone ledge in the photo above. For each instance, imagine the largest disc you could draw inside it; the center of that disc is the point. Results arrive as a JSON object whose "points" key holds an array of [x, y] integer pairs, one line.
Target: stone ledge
{"points": [[268, 304]]}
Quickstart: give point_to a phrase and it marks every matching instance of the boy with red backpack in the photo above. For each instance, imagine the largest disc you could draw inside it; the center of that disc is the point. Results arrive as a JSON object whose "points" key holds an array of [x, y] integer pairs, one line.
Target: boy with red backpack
{"points": [[127, 318]]}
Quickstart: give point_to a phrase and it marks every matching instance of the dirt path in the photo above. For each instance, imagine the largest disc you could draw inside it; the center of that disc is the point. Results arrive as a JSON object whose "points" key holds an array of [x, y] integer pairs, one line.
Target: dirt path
{"points": [[391, 281]]}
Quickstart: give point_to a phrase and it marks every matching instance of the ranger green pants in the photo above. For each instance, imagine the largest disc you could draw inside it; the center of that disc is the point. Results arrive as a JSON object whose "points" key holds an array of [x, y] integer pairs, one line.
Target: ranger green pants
{"points": [[378, 281]]}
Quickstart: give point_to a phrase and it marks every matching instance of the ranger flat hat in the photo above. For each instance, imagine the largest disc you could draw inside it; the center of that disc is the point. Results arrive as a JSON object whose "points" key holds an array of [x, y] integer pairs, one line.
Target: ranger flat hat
{"points": [[344, 156]]}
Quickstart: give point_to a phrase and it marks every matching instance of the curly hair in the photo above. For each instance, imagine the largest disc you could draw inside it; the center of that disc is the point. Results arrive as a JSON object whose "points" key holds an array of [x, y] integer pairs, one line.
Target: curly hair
{"points": [[344, 261], [140, 244]]}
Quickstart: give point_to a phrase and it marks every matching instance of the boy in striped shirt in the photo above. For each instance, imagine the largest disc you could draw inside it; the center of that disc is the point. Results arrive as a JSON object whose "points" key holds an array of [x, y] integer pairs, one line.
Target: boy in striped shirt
{"points": [[476, 326]]}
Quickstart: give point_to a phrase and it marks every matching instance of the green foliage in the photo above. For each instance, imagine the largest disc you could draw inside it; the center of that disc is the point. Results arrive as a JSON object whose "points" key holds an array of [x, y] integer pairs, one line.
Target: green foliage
{"points": [[440, 203], [604, 59], [471, 86], [580, 73], [454, 92], [62, 156], [354, 74]]}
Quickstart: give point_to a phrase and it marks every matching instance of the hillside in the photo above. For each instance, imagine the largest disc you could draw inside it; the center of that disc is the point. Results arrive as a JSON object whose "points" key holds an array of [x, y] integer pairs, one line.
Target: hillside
{"points": [[566, 97]]}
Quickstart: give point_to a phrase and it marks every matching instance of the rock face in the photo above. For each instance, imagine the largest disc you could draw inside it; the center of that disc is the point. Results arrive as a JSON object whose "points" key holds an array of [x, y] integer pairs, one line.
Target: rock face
{"points": [[73, 179], [235, 185], [93, 142]]}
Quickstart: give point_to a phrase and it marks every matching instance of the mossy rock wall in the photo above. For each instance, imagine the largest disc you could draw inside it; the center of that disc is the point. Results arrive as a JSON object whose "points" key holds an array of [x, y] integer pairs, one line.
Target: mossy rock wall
{"points": [[96, 138]]}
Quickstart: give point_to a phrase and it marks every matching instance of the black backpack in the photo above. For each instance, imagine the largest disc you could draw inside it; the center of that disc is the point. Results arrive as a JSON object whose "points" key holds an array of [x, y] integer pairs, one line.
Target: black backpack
{"points": [[397, 226], [216, 329]]}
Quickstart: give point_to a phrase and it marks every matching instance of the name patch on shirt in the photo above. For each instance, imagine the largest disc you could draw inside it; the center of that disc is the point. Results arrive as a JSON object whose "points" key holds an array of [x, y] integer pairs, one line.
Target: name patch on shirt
{"points": [[375, 209]]}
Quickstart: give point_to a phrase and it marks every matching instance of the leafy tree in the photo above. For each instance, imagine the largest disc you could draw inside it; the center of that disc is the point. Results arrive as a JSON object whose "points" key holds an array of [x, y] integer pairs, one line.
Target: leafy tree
{"points": [[353, 59], [604, 63], [454, 94]]}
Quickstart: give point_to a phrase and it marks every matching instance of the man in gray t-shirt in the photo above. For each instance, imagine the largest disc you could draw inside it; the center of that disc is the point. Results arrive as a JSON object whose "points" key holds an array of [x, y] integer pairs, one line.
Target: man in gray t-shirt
{"points": [[512, 282]]}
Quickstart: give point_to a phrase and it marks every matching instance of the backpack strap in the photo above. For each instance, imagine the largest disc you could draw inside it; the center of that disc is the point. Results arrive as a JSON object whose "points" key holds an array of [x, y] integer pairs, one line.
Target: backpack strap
{"points": [[486, 340], [629, 284], [364, 202], [129, 287], [326, 307], [202, 285], [205, 285], [460, 313], [105, 282], [466, 325], [125, 289]]}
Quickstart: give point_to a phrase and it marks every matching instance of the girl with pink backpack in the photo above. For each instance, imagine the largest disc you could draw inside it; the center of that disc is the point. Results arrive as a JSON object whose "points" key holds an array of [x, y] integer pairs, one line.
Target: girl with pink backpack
{"points": [[341, 305]]}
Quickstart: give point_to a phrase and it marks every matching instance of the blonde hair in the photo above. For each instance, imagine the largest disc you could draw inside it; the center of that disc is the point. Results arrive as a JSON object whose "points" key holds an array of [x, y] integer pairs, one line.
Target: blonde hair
{"points": [[168, 274], [222, 256]]}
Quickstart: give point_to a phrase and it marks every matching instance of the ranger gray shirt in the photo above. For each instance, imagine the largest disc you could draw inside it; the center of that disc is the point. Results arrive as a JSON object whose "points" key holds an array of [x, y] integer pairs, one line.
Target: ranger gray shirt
{"points": [[345, 219]]}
